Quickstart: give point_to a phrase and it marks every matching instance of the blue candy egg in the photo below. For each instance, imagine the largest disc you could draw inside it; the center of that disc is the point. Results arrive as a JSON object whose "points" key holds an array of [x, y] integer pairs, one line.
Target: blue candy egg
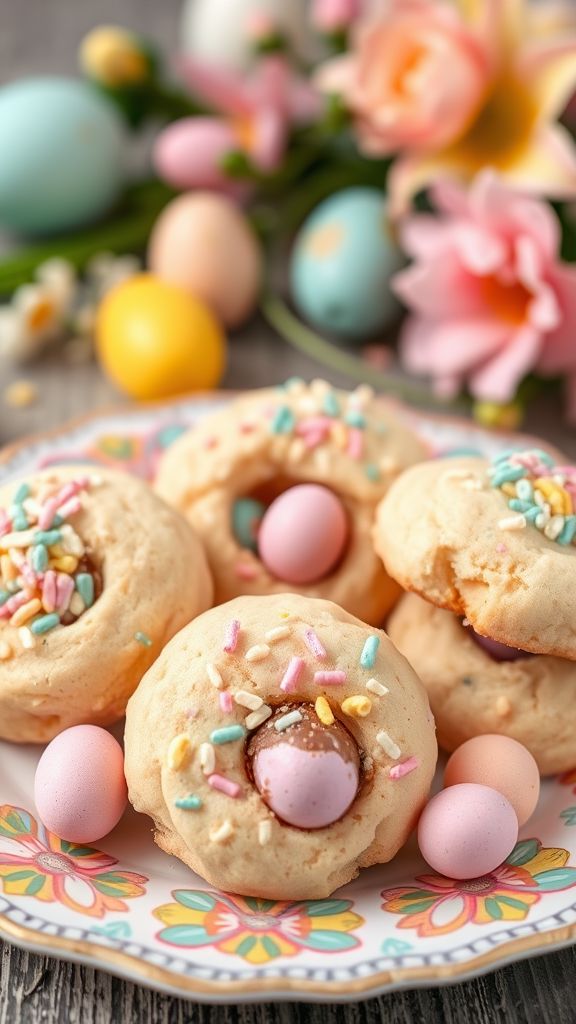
{"points": [[342, 262], [246, 517], [61, 146]]}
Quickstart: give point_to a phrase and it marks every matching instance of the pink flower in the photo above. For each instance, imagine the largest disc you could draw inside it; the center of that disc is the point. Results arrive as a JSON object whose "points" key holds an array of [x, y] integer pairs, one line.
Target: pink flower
{"points": [[258, 112], [334, 15], [491, 299]]}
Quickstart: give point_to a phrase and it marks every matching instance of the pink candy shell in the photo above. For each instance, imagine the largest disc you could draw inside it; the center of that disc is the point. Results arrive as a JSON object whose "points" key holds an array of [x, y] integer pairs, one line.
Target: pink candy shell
{"points": [[188, 154], [303, 534], [79, 789], [467, 830], [308, 789]]}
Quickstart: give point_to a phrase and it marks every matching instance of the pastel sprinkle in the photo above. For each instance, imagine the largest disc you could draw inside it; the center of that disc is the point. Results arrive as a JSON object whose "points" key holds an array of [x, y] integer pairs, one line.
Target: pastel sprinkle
{"points": [[222, 832], [377, 688], [85, 587], [372, 472], [179, 752], [369, 652], [264, 832], [142, 638], [188, 803], [283, 421], [388, 745], [5, 650], [287, 720], [224, 785], [248, 700], [214, 675], [45, 623], [398, 771], [64, 591], [4, 596], [40, 558], [314, 644], [330, 404], [207, 758], [357, 706], [226, 702], [512, 522], [20, 520], [229, 734], [324, 711], [22, 493], [231, 634], [355, 444], [292, 674], [25, 612], [257, 653], [334, 677], [354, 418], [26, 638], [47, 537], [278, 633], [256, 718]]}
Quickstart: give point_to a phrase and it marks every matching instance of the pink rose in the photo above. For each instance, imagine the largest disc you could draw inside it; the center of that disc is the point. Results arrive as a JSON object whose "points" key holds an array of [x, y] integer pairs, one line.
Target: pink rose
{"points": [[491, 299], [334, 15], [414, 80]]}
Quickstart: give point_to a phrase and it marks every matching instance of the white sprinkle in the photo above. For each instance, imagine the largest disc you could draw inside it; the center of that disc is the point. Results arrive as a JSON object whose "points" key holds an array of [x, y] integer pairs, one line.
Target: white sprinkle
{"points": [[214, 675], [71, 542], [542, 519], [287, 720], [554, 528], [22, 539], [278, 633], [76, 605], [248, 700], [255, 718], [512, 522], [257, 653], [222, 833], [32, 507], [264, 832], [96, 480], [387, 744], [27, 638], [539, 498], [378, 688], [207, 758]]}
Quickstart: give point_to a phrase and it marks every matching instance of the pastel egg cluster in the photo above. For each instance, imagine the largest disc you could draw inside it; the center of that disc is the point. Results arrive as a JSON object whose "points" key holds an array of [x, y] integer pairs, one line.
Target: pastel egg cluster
{"points": [[538, 492], [46, 576]]}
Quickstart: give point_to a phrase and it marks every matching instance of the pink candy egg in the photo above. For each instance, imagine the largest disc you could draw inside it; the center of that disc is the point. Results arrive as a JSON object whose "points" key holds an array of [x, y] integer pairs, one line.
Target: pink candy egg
{"points": [[467, 830], [303, 534], [499, 762], [79, 788]]}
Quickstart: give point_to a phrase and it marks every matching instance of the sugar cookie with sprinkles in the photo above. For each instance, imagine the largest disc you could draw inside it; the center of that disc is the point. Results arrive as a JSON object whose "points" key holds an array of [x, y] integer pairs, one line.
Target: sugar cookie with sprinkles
{"points": [[282, 486], [318, 765], [489, 548], [96, 575]]}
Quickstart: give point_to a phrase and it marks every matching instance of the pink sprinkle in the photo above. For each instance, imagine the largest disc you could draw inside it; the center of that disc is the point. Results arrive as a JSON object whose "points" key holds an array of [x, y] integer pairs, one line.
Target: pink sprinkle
{"points": [[226, 703], [70, 507], [501, 549], [5, 524], [224, 785], [398, 771], [246, 571], [49, 595], [47, 513], [247, 428], [231, 636], [28, 575], [314, 644], [14, 603], [64, 591], [210, 442], [292, 675], [334, 678], [355, 443], [314, 424], [313, 438]]}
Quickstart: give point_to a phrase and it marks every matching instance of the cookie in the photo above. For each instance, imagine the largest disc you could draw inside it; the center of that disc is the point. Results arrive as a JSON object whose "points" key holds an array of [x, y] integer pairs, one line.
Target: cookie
{"points": [[269, 442], [531, 699], [96, 575], [288, 745]]}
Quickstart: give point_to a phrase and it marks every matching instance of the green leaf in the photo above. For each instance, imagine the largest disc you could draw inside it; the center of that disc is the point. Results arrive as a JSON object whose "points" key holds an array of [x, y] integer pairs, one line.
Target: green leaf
{"points": [[328, 940], [245, 946], [35, 885], [417, 906], [259, 906], [17, 876], [323, 908], [194, 899], [494, 909], [523, 852], [270, 946], [556, 878], [509, 901], [185, 935]]}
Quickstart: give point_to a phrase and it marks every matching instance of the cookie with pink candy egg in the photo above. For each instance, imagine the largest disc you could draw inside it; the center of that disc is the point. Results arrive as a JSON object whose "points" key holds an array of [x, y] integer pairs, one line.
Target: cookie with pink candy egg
{"points": [[488, 551], [288, 744]]}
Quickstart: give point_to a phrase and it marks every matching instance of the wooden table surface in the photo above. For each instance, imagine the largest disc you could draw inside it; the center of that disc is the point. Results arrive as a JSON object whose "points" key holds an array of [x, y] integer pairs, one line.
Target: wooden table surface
{"points": [[39, 36]]}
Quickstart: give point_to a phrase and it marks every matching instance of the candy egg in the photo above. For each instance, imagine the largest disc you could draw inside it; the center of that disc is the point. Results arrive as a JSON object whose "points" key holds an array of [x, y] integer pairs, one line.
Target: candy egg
{"points": [[342, 262], [306, 772], [467, 830], [496, 650], [303, 534], [62, 145], [246, 517], [203, 243], [155, 340], [499, 762], [79, 788]]}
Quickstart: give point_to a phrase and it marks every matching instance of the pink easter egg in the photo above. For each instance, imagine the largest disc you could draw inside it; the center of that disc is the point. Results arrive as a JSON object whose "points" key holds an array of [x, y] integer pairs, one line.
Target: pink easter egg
{"points": [[188, 154], [79, 788], [501, 763], [303, 534], [467, 830]]}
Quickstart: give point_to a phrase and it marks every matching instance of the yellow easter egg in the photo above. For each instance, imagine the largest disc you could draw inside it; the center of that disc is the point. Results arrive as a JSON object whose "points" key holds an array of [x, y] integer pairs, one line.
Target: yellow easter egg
{"points": [[155, 340]]}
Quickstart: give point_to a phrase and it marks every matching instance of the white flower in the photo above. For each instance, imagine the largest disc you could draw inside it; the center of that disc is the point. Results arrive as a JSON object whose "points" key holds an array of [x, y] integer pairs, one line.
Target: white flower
{"points": [[38, 312]]}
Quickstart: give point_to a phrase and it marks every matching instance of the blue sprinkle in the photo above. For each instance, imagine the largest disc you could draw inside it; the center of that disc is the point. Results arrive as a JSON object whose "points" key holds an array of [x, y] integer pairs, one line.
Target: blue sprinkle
{"points": [[143, 638], [520, 506], [568, 532], [525, 491], [330, 404], [283, 421], [13, 586], [455, 453], [543, 456], [532, 514], [4, 596], [45, 623], [368, 656], [372, 472], [189, 803], [20, 519], [22, 493], [291, 380], [355, 418], [58, 520], [507, 475], [85, 587], [40, 558], [47, 537], [228, 735], [247, 514]]}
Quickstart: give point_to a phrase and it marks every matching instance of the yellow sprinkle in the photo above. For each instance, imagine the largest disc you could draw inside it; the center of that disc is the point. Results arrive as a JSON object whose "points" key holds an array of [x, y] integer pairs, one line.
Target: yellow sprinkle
{"points": [[222, 833], [256, 718], [7, 568], [57, 551], [66, 564], [257, 653], [324, 711], [264, 832], [339, 434], [357, 706], [5, 650], [559, 500], [27, 639], [284, 615], [179, 752], [297, 450], [20, 394], [378, 688], [76, 605], [207, 758], [388, 745], [509, 489], [25, 612], [278, 633], [503, 707], [248, 700], [214, 675]]}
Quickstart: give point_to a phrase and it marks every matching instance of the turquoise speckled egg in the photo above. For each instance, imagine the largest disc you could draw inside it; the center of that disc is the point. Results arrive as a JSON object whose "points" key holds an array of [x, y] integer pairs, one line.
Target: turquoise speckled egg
{"points": [[61, 146], [342, 262]]}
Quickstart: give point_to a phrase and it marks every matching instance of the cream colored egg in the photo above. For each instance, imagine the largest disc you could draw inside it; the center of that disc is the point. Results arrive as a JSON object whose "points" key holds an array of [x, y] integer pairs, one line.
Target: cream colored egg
{"points": [[204, 243]]}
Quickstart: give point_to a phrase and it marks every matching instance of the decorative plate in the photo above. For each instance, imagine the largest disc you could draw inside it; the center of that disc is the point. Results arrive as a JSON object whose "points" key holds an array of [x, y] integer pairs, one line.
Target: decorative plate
{"points": [[131, 909]]}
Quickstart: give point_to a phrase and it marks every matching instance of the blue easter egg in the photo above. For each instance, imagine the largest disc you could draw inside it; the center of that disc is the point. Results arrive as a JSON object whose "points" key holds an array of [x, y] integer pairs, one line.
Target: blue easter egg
{"points": [[342, 262], [246, 517], [62, 148]]}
